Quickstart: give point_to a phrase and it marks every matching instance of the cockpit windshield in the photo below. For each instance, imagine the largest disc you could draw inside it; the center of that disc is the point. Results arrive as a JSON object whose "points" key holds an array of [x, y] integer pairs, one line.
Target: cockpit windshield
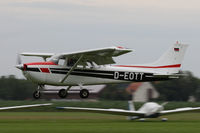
{"points": [[55, 59], [65, 62]]}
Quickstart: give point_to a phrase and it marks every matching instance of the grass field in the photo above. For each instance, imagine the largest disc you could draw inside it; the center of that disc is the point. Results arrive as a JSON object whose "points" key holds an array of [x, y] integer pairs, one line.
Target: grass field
{"points": [[73, 122], [89, 104], [50, 120]]}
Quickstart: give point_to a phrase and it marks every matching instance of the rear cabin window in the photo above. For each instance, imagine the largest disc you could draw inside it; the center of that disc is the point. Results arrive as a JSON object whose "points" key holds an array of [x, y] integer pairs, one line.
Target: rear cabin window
{"points": [[61, 62], [71, 62]]}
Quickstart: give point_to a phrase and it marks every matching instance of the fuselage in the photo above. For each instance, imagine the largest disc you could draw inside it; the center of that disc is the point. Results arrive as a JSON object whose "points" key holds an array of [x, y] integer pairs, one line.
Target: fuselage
{"points": [[49, 73], [151, 109]]}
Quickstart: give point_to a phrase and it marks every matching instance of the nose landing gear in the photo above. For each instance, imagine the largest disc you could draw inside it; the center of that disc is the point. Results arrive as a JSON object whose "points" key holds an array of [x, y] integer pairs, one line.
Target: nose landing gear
{"points": [[37, 94]]}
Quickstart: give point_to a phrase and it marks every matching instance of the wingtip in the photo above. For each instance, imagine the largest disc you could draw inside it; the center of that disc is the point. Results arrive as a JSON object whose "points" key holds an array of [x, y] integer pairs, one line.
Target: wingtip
{"points": [[123, 48], [44, 104], [48, 103]]}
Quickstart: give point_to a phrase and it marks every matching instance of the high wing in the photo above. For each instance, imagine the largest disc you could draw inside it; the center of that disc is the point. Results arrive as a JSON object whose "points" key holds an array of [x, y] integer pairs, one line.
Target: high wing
{"points": [[180, 110], [105, 111], [25, 106], [45, 55], [101, 56]]}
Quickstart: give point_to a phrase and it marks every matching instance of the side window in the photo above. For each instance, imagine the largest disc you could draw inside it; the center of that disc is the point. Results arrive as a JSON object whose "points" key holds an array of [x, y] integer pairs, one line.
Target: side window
{"points": [[71, 62], [61, 62]]}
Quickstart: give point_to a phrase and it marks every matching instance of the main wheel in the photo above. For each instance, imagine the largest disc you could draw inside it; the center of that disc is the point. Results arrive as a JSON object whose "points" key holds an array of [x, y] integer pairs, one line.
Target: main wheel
{"points": [[36, 94], [62, 93], [84, 93], [164, 119]]}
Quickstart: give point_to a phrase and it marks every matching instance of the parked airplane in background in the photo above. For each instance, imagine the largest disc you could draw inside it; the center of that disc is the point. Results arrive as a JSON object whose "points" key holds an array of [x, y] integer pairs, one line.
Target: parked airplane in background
{"points": [[24, 106], [92, 67], [148, 110]]}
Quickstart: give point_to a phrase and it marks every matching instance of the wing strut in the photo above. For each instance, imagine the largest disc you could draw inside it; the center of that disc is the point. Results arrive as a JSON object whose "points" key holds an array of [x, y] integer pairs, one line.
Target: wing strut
{"points": [[72, 68]]}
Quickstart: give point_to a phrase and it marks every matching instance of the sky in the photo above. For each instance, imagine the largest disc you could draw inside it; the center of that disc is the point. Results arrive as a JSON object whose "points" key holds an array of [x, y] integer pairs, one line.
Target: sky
{"points": [[53, 26]]}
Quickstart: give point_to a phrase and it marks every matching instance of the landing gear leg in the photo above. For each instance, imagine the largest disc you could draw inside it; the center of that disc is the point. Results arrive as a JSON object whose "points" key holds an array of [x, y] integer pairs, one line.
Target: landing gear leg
{"points": [[63, 92], [37, 94]]}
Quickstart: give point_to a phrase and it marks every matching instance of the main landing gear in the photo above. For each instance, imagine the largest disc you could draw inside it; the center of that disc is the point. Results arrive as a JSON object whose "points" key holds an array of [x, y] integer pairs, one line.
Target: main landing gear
{"points": [[63, 93], [84, 93]]}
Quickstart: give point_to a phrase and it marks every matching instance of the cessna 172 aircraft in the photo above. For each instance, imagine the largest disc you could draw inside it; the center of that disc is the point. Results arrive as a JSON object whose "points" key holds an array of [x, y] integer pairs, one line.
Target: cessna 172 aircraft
{"points": [[92, 67], [148, 110]]}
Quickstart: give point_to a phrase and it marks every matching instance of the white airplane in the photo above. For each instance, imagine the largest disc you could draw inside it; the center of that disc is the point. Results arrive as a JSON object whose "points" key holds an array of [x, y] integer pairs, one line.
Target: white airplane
{"points": [[92, 67], [148, 110], [24, 106]]}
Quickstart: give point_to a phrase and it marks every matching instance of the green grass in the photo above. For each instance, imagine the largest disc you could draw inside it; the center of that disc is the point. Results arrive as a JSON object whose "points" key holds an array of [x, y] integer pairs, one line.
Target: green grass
{"points": [[50, 120], [89, 104], [71, 122]]}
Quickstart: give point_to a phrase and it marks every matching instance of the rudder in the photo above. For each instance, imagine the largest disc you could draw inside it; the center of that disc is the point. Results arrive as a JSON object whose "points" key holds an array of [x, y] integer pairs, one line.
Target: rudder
{"points": [[170, 61]]}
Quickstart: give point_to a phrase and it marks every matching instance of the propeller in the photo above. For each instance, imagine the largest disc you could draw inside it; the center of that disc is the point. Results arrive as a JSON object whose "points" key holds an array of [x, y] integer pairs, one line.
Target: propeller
{"points": [[19, 60], [19, 64]]}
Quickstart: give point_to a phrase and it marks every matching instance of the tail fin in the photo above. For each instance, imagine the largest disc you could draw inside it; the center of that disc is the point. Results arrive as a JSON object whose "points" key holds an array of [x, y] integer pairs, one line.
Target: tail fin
{"points": [[170, 61], [131, 106]]}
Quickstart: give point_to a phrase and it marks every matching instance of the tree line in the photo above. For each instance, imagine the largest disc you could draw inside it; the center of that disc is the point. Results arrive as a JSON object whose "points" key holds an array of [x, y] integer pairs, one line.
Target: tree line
{"points": [[180, 89], [172, 90], [12, 88]]}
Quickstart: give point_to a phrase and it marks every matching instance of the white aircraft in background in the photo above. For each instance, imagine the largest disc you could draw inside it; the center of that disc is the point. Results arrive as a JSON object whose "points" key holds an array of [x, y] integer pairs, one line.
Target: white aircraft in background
{"points": [[148, 110], [24, 106], [93, 67]]}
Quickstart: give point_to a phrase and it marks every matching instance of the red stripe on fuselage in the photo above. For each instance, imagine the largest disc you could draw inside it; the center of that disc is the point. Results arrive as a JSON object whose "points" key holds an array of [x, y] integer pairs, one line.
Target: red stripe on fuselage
{"points": [[41, 63], [45, 70], [168, 66]]}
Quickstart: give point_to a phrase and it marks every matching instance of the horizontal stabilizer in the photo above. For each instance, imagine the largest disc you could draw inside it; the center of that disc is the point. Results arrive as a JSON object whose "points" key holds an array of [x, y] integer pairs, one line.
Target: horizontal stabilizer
{"points": [[44, 55]]}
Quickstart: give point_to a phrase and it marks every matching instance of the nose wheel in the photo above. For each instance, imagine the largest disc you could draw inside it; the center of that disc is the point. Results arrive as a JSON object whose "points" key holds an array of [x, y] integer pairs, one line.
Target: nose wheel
{"points": [[36, 94], [84, 93]]}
